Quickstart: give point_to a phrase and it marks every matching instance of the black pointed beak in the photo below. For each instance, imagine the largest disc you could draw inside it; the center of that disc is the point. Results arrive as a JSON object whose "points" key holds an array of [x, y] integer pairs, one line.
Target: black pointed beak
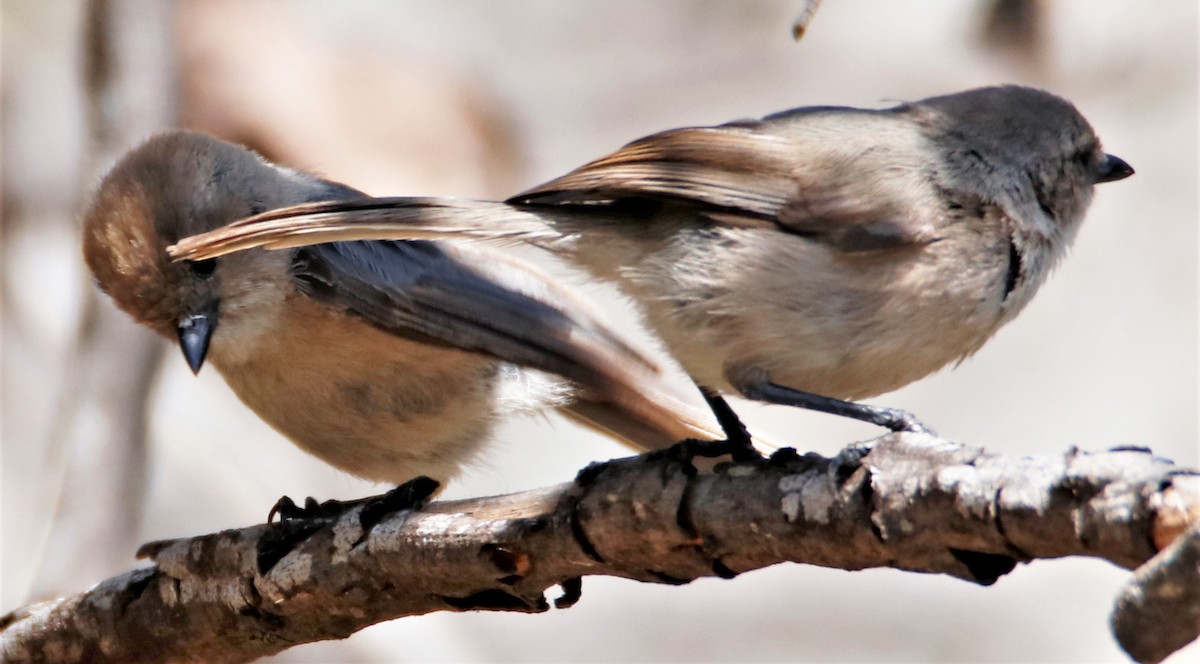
{"points": [[195, 331], [1112, 168]]}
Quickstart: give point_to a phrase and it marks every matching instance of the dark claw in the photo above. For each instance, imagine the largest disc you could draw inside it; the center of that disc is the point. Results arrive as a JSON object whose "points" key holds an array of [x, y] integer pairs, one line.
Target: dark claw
{"points": [[904, 421], [287, 510], [682, 453], [689, 449], [408, 496], [686, 451]]}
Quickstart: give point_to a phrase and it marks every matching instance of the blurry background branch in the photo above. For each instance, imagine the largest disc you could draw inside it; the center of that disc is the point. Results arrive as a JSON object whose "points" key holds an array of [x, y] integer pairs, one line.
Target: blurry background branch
{"points": [[808, 11], [130, 83], [904, 501]]}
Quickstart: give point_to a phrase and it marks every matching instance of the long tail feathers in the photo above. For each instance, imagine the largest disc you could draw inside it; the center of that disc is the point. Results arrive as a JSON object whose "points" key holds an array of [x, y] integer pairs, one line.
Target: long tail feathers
{"points": [[401, 218]]}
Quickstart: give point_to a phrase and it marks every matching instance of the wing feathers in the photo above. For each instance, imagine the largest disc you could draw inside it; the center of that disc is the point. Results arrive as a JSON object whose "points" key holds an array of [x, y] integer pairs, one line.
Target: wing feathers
{"points": [[728, 168], [757, 174], [417, 288]]}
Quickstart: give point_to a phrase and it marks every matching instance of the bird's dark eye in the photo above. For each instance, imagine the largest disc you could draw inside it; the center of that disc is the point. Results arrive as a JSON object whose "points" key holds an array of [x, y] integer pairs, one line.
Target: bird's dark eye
{"points": [[203, 269]]}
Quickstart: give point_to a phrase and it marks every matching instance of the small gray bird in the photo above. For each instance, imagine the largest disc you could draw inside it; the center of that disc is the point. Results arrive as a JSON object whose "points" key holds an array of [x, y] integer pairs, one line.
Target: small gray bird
{"points": [[813, 257], [387, 360]]}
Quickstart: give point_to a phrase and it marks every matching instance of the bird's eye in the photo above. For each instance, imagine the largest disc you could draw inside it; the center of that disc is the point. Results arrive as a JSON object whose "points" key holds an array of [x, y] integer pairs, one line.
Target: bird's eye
{"points": [[203, 269]]}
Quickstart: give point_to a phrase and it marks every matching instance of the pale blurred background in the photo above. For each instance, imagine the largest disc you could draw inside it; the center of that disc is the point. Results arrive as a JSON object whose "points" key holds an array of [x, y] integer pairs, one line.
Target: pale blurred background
{"points": [[484, 99]]}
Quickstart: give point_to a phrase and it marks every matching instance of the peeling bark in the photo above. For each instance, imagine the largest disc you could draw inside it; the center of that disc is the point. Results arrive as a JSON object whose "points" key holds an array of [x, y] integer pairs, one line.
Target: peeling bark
{"points": [[905, 501]]}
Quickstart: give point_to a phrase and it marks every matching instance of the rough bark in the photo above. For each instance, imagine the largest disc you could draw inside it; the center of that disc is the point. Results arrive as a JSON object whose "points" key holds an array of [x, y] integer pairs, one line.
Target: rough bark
{"points": [[905, 501], [1158, 611]]}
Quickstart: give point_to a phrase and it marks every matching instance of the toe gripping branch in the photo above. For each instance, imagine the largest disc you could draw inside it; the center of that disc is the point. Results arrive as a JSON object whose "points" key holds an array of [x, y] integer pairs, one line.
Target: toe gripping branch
{"points": [[296, 524]]}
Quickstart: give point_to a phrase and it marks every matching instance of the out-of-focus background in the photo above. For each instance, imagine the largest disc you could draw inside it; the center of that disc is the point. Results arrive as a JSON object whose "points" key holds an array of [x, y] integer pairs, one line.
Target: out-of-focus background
{"points": [[484, 99]]}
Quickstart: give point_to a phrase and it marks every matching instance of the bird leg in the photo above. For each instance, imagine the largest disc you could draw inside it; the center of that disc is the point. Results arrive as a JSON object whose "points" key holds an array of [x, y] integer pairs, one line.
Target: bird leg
{"points": [[889, 418]]}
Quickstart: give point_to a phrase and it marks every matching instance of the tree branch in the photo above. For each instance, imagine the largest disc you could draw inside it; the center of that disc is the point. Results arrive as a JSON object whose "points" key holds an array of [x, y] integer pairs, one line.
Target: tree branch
{"points": [[1158, 611], [905, 501]]}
